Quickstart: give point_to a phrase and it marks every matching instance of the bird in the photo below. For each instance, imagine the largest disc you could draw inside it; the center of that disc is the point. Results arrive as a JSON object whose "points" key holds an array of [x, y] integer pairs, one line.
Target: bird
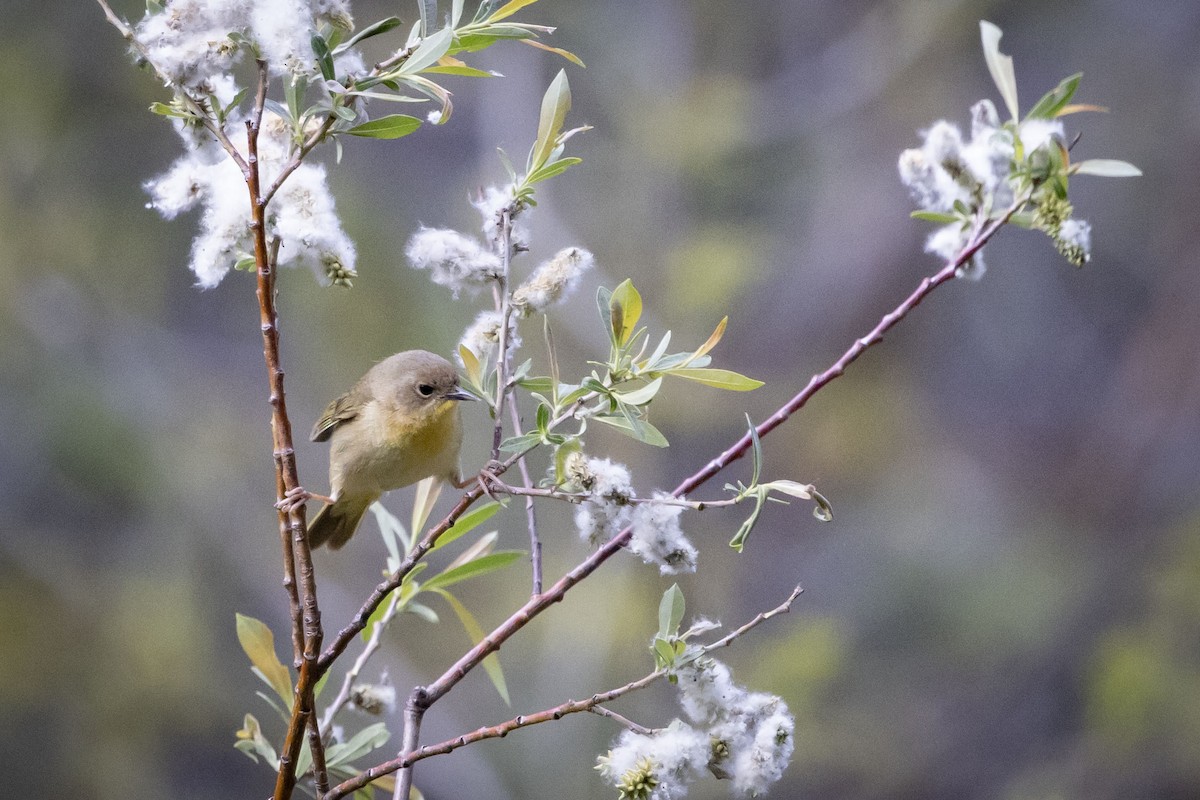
{"points": [[399, 424]]}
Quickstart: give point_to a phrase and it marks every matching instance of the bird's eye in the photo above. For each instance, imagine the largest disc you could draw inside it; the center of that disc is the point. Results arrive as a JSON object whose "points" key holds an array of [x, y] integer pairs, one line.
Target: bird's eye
{"points": [[425, 390]]}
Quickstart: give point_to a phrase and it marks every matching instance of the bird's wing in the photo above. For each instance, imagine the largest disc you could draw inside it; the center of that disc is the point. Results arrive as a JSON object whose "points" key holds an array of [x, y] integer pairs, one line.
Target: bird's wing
{"points": [[342, 410]]}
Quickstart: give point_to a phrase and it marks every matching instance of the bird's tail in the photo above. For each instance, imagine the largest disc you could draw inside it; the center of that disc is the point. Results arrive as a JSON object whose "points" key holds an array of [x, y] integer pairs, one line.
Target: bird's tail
{"points": [[336, 523]]}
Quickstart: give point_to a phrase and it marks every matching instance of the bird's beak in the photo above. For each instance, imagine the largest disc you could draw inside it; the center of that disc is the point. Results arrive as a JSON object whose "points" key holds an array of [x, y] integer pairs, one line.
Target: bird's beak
{"points": [[459, 394]]}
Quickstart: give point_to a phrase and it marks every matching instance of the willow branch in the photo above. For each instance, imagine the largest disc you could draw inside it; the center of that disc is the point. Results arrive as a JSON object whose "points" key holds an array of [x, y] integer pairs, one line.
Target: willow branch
{"points": [[411, 756], [537, 604], [197, 107], [535, 544]]}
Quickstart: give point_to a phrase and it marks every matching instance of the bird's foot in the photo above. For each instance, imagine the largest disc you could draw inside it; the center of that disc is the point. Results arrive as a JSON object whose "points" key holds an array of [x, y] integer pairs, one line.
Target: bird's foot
{"points": [[295, 498]]}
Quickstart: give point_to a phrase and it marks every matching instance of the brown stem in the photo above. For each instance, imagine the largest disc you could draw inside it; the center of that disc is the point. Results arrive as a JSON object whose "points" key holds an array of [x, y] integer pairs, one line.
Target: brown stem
{"points": [[537, 604], [286, 474], [410, 756]]}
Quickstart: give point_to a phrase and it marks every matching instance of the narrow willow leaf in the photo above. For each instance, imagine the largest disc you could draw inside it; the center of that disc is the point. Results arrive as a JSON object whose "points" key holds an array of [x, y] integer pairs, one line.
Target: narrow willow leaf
{"points": [[664, 654], [670, 611], [374, 29], [641, 395], [517, 444], [739, 539], [393, 126], [720, 378], [491, 663], [567, 54], [461, 70], [644, 432], [424, 612], [756, 452], [1056, 99], [1075, 108], [625, 309], [324, 57], [1000, 66], [713, 338], [470, 363], [791, 488], [432, 48], [555, 105], [473, 569], [1106, 167], [551, 169], [259, 644], [456, 10], [477, 549], [468, 522], [428, 491], [934, 216], [368, 739], [508, 9]]}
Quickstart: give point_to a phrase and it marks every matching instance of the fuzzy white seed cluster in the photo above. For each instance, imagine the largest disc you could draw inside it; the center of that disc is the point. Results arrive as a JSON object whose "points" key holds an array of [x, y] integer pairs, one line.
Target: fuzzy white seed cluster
{"points": [[188, 40], [453, 260], [302, 214], [610, 507], [552, 281], [735, 734], [949, 173], [464, 263]]}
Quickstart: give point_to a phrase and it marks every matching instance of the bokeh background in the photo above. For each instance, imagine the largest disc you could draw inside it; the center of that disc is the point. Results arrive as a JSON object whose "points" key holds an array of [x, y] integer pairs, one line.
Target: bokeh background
{"points": [[1007, 603]]}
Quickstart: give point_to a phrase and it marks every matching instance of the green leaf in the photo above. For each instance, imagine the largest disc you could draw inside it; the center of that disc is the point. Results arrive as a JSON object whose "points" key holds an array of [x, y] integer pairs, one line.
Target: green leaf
{"points": [[739, 539], [720, 378], [664, 653], [368, 739], [561, 454], [517, 444], [935, 216], [509, 8], [558, 51], [713, 338], [670, 611], [756, 452], [491, 663], [473, 569], [259, 644], [1000, 66], [324, 57], [624, 311], [374, 29], [644, 432], [253, 743], [555, 105], [468, 522], [393, 126], [1106, 167], [461, 70], [641, 395], [1056, 99], [428, 491], [791, 488], [550, 170], [428, 52]]}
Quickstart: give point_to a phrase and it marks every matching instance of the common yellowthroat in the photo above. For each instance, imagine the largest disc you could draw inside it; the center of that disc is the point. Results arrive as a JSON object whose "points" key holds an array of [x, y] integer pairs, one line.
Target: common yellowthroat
{"points": [[399, 424]]}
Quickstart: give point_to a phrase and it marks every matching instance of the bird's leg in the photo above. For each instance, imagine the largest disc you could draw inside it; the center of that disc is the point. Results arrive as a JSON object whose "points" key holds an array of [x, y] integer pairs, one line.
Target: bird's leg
{"points": [[486, 477], [294, 498]]}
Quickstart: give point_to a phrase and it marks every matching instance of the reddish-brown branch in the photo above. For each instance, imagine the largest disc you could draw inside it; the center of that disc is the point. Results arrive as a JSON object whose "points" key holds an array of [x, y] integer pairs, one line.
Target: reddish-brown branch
{"points": [[411, 755], [537, 604]]}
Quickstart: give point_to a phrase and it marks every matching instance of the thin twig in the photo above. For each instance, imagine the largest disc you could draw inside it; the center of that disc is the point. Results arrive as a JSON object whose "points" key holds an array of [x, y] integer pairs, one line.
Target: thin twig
{"points": [[536, 605], [197, 107], [410, 757], [620, 720], [505, 310], [535, 544], [356, 669]]}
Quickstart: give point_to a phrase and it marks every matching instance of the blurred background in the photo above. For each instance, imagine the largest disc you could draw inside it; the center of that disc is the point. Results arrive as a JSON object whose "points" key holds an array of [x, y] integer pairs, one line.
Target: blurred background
{"points": [[1007, 602]]}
